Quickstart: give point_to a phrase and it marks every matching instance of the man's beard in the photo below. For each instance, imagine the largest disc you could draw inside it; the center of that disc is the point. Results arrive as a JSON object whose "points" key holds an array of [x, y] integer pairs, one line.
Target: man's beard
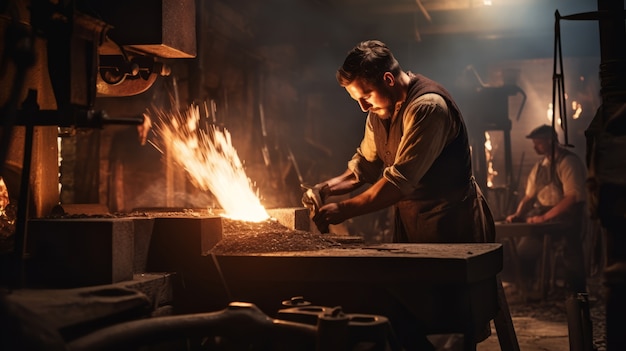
{"points": [[384, 113], [387, 111]]}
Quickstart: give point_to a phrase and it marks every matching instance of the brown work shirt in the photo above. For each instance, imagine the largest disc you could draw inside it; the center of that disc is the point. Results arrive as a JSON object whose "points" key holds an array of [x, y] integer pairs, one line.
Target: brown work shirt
{"points": [[424, 151]]}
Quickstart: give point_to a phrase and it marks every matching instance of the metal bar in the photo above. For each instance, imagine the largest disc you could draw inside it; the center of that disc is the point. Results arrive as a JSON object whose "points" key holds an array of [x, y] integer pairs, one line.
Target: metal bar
{"points": [[21, 224], [239, 319]]}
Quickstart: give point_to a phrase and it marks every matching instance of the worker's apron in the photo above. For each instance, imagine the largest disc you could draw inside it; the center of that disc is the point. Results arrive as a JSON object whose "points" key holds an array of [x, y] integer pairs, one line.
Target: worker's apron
{"points": [[464, 218]]}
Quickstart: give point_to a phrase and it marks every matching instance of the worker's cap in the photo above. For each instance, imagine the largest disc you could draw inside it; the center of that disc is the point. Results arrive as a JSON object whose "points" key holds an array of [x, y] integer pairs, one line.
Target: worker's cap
{"points": [[544, 131]]}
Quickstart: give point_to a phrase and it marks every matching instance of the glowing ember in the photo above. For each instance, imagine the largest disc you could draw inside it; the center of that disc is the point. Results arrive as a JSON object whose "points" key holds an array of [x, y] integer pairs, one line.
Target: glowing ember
{"points": [[4, 195], [211, 162]]}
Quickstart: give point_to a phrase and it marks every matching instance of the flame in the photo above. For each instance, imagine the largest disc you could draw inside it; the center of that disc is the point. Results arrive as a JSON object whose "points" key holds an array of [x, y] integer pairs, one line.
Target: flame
{"points": [[550, 114], [491, 172], [4, 196], [210, 161], [578, 109]]}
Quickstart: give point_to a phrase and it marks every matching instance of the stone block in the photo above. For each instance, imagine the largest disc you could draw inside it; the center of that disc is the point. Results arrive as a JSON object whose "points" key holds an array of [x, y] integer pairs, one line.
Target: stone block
{"points": [[296, 218], [77, 252], [144, 227]]}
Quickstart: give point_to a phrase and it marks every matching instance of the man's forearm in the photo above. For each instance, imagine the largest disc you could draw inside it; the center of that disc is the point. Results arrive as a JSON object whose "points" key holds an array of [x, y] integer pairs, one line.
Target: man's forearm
{"points": [[380, 195], [343, 183], [524, 206], [560, 208]]}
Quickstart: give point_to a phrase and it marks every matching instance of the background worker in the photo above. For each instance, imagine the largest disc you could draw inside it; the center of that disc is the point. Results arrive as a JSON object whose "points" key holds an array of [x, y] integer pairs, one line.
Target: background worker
{"points": [[555, 192]]}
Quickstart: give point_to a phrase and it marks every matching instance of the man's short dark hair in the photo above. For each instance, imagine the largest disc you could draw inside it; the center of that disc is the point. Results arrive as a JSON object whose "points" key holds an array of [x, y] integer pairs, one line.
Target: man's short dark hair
{"points": [[368, 60]]}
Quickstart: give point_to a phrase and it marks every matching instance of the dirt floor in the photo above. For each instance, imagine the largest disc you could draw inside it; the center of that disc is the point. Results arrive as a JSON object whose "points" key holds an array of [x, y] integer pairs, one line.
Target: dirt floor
{"points": [[542, 325]]}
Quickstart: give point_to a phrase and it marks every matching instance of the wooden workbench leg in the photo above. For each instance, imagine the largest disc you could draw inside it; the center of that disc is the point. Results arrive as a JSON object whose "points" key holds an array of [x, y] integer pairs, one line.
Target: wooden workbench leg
{"points": [[503, 322], [511, 245], [545, 265]]}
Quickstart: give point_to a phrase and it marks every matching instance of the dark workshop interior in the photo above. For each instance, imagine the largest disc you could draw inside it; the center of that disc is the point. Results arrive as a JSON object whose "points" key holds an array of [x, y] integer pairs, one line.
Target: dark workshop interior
{"points": [[139, 138]]}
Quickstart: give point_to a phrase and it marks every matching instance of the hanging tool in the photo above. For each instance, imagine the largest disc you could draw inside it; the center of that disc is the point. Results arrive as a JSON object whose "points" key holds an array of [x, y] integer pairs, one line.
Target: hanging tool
{"points": [[264, 149]]}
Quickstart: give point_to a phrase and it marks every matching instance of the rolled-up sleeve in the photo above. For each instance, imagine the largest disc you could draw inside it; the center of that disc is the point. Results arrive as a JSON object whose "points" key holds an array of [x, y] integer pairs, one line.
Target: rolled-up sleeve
{"points": [[427, 129]]}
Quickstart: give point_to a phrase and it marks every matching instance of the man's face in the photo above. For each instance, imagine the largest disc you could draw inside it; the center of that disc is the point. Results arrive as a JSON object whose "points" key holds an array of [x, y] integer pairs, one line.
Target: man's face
{"points": [[377, 99], [543, 146]]}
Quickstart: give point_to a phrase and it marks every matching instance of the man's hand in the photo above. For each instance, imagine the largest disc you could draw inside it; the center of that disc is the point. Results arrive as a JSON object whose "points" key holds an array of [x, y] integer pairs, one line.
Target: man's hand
{"points": [[328, 214], [512, 218], [314, 197], [536, 219]]}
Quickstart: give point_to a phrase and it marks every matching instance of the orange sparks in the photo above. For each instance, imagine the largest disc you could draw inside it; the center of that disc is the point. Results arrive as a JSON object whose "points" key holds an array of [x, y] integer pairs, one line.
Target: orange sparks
{"points": [[210, 161]]}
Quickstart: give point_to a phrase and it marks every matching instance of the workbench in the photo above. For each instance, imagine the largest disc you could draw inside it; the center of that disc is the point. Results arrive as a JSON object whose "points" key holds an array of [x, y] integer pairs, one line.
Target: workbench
{"points": [[512, 232], [441, 288], [434, 288]]}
